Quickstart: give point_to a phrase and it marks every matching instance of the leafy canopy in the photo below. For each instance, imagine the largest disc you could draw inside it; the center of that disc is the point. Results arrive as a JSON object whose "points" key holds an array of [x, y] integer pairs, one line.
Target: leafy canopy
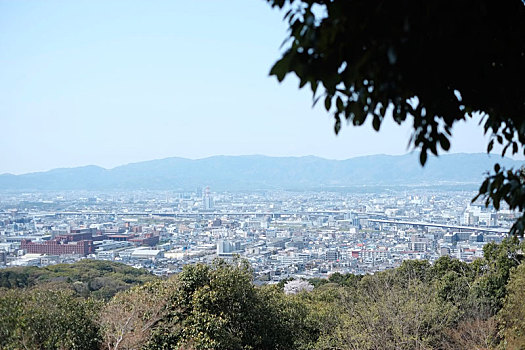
{"points": [[433, 63], [100, 279], [447, 305]]}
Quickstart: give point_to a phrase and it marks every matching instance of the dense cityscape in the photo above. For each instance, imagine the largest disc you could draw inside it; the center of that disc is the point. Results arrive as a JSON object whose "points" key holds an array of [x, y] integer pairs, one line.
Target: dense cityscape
{"points": [[256, 175], [282, 234]]}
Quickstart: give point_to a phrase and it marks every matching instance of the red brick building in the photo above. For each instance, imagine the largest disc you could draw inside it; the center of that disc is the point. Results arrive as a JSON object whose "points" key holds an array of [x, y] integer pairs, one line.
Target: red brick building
{"points": [[55, 247], [74, 243]]}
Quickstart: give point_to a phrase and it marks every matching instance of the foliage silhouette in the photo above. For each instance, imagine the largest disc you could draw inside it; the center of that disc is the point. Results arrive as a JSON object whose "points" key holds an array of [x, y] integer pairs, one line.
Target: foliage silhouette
{"points": [[435, 63]]}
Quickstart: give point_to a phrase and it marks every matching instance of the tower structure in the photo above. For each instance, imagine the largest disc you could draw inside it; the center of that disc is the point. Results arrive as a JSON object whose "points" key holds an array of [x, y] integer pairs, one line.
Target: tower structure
{"points": [[207, 199]]}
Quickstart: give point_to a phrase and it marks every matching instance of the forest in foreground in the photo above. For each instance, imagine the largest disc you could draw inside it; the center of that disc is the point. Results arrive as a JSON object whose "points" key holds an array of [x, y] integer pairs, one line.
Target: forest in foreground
{"points": [[105, 305]]}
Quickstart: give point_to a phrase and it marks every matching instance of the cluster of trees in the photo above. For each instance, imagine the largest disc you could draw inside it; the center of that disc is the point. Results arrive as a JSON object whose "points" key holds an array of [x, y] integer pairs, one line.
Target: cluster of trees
{"points": [[47, 318], [100, 279], [446, 305]]}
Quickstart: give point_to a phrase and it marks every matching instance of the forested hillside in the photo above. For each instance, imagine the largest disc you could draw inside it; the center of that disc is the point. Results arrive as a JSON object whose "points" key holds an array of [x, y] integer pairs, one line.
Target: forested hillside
{"points": [[262, 172], [96, 278], [447, 305]]}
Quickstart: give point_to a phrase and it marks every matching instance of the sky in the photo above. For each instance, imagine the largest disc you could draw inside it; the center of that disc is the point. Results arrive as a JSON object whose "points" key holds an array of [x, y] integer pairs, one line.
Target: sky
{"points": [[106, 82]]}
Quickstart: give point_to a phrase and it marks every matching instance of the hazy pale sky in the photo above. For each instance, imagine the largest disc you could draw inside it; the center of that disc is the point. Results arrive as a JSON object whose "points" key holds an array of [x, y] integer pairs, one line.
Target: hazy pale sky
{"points": [[113, 82]]}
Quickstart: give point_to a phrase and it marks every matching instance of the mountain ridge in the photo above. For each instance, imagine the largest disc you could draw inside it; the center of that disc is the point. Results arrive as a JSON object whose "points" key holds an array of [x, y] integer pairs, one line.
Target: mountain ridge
{"points": [[263, 172]]}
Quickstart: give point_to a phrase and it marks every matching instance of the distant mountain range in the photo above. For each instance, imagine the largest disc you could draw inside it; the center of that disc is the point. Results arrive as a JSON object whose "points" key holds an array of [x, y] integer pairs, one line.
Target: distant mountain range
{"points": [[263, 173]]}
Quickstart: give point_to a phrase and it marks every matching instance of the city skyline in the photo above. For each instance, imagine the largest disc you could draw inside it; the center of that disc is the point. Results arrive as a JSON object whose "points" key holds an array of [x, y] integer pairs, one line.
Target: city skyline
{"points": [[281, 233]]}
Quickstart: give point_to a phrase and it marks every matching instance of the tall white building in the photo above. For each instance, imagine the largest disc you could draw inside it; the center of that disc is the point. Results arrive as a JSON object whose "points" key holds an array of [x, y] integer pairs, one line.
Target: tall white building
{"points": [[207, 199]]}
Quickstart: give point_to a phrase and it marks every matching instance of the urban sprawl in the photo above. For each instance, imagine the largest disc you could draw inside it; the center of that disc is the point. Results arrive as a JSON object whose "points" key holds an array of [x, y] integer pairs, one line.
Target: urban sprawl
{"points": [[282, 234]]}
